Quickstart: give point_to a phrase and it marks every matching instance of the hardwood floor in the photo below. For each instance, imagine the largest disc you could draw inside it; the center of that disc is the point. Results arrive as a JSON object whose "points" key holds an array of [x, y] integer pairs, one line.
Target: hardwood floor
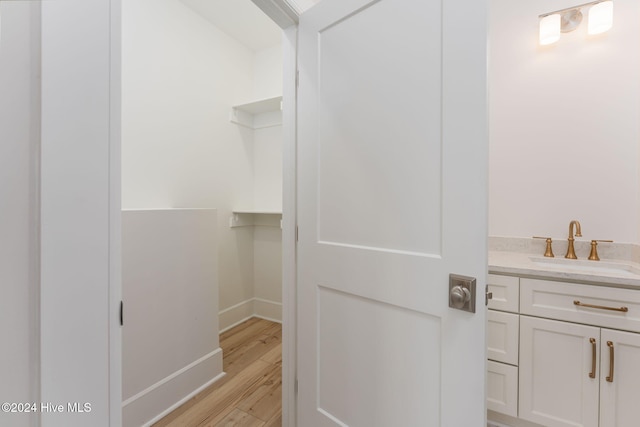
{"points": [[251, 393]]}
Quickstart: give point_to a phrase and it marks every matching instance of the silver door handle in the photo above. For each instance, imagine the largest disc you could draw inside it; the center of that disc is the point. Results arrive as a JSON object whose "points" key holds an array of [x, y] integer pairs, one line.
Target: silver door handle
{"points": [[462, 293], [459, 296]]}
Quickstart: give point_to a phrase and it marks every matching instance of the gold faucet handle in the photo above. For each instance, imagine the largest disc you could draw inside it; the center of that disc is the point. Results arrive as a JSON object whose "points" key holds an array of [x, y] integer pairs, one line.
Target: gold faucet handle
{"points": [[548, 252], [593, 256]]}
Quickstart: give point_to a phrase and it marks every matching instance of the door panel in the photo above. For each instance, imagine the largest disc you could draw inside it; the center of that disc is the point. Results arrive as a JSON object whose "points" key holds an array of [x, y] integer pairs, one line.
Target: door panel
{"points": [[391, 200], [374, 353], [364, 119]]}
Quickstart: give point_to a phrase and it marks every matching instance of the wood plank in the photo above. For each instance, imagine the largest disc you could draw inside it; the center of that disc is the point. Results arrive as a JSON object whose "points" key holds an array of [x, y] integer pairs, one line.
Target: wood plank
{"points": [[273, 356], [236, 329], [248, 335], [235, 341], [248, 391], [236, 418], [253, 351], [265, 402], [276, 421]]}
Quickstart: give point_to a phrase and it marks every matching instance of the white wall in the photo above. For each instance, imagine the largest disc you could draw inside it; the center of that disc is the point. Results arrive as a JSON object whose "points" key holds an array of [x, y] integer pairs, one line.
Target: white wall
{"points": [[267, 151], [267, 168], [267, 68], [267, 181], [170, 340], [19, 148], [180, 77], [564, 125], [268, 272]]}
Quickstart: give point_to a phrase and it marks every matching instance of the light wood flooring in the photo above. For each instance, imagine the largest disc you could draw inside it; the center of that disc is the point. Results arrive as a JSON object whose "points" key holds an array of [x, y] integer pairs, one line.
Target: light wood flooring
{"points": [[251, 393]]}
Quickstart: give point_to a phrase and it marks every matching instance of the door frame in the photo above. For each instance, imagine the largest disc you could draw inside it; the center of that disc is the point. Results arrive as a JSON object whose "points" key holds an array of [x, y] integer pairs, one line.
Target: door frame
{"points": [[80, 209], [289, 221], [286, 18], [285, 13]]}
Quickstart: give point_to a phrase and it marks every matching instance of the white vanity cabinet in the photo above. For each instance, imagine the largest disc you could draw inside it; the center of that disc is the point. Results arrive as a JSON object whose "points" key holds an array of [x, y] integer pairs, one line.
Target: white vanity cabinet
{"points": [[578, 355], [502, 344]]}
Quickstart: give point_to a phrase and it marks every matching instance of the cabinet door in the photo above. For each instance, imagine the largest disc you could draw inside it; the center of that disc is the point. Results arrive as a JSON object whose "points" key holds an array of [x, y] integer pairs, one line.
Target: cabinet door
{"points": [[556, 360], [502, 388], [502, 337], [619, 393], [506, 292]]}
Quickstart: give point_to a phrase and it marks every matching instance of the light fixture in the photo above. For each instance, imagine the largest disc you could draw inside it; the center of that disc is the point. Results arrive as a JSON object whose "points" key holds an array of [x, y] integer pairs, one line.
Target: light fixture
{"points": [[566, 20], [600, 17], [549, 29]]}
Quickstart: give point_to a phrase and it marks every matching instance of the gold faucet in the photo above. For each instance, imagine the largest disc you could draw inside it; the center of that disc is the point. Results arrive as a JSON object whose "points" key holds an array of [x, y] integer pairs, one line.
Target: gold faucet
{"points": [[593, 256], [548, 252], [571, 252]]}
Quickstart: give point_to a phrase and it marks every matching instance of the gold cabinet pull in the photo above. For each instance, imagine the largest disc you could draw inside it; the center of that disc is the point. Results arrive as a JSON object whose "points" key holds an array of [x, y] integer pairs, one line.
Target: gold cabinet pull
{"points": [[601, 307], [610, 377], [592, 374]]}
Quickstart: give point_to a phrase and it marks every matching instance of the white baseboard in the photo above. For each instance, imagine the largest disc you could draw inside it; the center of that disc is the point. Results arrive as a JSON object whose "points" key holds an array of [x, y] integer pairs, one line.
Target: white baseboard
{"points": [[153, 403], [269, 310], [234, 315], [253, 307], [496, 419]]}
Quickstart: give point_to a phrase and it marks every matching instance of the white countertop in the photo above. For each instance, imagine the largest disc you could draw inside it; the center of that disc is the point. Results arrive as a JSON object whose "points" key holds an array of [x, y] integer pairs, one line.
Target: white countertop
{"points": [[619, 273]]}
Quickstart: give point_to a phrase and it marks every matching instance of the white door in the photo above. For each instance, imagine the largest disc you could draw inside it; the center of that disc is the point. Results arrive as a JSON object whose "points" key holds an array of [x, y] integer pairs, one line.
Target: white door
{"points": [[392, 177]]}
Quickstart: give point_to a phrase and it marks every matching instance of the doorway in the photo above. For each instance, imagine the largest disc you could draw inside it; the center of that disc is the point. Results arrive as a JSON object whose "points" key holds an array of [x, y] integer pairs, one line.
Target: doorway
{"points": [[201, 131]]}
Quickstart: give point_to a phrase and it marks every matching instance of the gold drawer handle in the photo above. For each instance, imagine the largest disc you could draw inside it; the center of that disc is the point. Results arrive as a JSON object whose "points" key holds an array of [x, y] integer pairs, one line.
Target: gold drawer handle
{"points": [[601, 307], [610, 377], [592, 374]]}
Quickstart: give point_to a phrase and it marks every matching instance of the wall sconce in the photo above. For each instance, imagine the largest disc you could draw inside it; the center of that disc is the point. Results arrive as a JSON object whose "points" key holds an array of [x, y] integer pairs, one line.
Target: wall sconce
{"points": [[552, 24]]}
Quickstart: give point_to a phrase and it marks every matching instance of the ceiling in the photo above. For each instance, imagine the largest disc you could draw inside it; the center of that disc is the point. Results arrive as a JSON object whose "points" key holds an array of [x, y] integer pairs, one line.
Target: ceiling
{"points": [[240, 19]]}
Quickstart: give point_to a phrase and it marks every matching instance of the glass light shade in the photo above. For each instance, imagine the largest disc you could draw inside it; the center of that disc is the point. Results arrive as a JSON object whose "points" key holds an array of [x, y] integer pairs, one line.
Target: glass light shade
{"points": [[600, 17], [549, 29]]}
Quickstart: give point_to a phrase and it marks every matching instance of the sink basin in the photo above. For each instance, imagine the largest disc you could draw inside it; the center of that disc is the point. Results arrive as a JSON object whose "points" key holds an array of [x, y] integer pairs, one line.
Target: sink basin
{"points": [[586, 266]]}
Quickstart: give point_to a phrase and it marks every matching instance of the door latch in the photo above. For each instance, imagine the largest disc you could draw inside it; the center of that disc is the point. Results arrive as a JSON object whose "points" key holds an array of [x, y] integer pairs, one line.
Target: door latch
{"points": [[487, 295]]}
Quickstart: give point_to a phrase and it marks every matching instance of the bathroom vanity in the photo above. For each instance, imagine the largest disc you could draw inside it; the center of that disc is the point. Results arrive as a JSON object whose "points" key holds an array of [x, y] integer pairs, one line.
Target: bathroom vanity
{"points": [[563, 341]]}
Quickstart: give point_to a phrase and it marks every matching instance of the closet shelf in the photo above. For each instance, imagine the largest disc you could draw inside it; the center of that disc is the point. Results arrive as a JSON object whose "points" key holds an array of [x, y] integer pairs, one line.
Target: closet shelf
{"points": [[262, 106], [259, 114], [251, 217], [257, 211]]}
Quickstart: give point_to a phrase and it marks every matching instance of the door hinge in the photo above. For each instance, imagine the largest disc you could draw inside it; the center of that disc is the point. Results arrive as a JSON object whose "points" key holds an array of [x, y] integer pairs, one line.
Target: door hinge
{"points": [[121, 313], [296, 233], [297, 78], [295, 386], [487, 295]]}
